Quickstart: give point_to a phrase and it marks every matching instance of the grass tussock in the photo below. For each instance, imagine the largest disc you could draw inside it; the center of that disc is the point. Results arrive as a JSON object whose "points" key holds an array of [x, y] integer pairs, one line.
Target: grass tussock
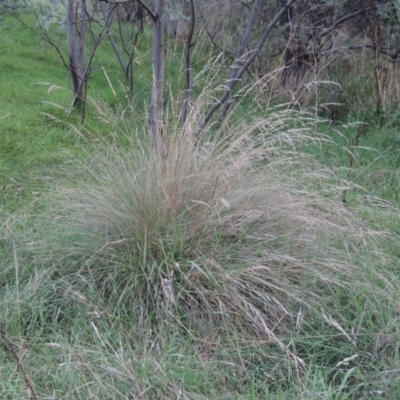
{"points": [[230, 268], [229, 236], [231, 256]]}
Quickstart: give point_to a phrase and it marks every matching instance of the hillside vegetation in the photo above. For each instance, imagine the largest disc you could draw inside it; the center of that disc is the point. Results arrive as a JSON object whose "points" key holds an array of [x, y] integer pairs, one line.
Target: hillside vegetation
{"points": [[259, 261]]}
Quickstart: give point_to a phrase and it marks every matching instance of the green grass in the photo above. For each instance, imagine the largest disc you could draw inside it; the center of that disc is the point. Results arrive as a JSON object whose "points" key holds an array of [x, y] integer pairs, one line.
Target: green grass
{"points": [[233, 271]]}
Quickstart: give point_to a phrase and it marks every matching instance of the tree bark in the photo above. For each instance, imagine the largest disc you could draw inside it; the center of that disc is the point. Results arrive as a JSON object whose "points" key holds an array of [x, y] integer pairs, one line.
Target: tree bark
{"points": [[189, 44], [76, 30], [157, 94]]}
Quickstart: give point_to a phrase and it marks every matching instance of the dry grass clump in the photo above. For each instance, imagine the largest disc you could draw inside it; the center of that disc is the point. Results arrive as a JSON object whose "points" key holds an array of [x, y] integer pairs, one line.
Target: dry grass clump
{"points": [[230, 236]]}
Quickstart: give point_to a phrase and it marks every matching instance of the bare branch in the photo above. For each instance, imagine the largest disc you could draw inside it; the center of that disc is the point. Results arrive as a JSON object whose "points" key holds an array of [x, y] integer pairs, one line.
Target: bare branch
{"points": [[110, 35], [10, 348], [232, 83], [339, 22], [211, 37], [240, 51], [154, 16]]}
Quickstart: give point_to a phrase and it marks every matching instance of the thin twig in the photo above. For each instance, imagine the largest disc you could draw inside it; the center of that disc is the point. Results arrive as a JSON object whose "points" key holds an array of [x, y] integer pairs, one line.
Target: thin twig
{"points": [[10, 348]]}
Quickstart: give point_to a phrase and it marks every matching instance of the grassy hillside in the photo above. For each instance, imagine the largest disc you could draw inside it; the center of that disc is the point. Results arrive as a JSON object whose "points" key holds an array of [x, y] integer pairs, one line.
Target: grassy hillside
{"points": [[259, 263]]}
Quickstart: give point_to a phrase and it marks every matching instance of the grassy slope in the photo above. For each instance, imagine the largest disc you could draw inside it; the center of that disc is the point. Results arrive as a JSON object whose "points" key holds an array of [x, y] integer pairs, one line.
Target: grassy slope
{"points": [[64, 344]]}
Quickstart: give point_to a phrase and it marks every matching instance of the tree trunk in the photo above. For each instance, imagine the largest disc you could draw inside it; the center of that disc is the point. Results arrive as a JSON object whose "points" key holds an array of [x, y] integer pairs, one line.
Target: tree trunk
{"points": [[296, 61], [76, 30], [188, 59], [157, 95]]}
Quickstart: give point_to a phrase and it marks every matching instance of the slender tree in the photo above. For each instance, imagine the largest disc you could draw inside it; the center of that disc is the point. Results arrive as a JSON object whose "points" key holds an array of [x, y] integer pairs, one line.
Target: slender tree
{"points": [[188, 62], [76, 35], [157, 93]]}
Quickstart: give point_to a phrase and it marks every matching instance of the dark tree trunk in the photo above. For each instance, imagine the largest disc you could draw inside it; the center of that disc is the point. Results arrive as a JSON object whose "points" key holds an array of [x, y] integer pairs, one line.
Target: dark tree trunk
{"points": [[76, 31], [157, 94]]}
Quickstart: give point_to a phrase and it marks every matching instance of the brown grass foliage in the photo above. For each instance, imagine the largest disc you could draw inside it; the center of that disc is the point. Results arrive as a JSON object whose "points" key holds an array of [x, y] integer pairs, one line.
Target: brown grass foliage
{"points": [[230, 236]]}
